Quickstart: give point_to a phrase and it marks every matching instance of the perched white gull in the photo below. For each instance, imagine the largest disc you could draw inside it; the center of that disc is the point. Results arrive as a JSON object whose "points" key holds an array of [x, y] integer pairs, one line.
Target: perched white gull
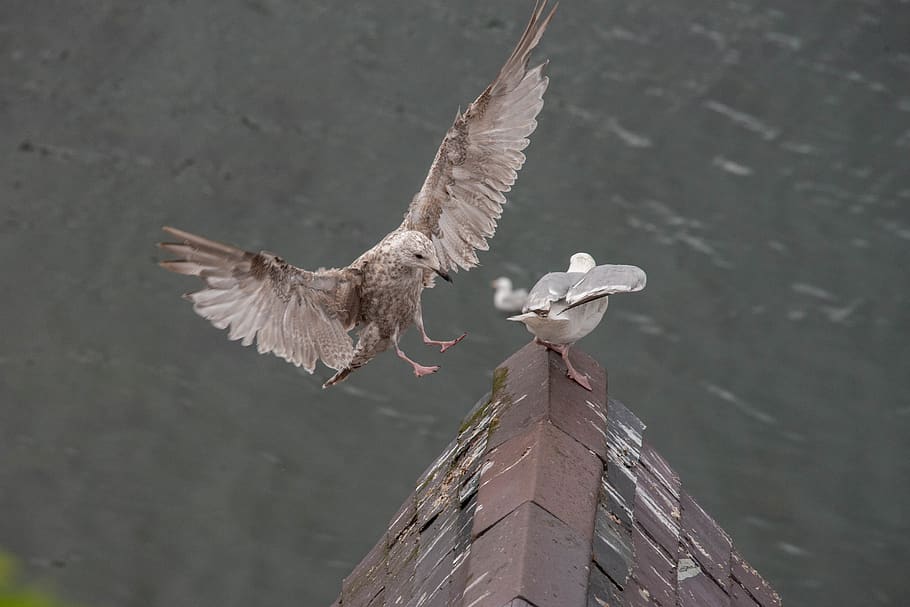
{"points": [[303, 316], [507, 299], [563, 307]]}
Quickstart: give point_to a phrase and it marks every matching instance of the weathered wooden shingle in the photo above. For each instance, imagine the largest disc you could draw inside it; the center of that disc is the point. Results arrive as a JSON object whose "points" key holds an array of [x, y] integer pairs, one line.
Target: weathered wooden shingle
{"points": [[550, 497], [752, 581], [654, 569], [660, 469], [611, 545], [695, 587], [657, 512], [704, 539], [602, 592]]}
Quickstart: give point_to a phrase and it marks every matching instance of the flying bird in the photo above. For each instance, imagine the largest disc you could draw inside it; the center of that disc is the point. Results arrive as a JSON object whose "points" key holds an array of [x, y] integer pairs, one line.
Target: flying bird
{"points": [[303, 316], [506, 298], [563, 307]]}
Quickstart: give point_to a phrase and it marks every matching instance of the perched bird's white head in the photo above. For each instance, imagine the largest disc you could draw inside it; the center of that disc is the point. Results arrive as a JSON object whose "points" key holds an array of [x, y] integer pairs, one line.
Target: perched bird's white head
{"points": [[413, 249], [581, 262]]}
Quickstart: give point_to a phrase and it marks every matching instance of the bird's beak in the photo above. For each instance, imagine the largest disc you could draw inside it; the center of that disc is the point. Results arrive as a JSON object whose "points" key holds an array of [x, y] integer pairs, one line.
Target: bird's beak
{"points": [[444, 275]]}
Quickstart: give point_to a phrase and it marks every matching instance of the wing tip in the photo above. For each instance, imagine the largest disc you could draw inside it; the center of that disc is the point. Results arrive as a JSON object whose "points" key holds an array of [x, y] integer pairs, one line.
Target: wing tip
{"points": [[531, 35]]}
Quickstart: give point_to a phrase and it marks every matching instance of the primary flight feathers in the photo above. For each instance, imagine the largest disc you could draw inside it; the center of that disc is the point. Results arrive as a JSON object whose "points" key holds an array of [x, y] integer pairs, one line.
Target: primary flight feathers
{"points": [[480, 157]]}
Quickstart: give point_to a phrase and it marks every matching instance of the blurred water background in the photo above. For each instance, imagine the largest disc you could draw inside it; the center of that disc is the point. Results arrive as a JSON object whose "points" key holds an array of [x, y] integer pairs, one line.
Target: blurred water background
{"points": [[751, 155]]}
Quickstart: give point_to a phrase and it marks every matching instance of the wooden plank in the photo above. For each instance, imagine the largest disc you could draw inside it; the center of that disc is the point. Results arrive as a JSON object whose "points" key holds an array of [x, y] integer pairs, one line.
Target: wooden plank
{"points": [[653, 569], [658, 466], [705, 540], [602, 592], [752, 581], [694, 587], [611, 545], [657, 511]]}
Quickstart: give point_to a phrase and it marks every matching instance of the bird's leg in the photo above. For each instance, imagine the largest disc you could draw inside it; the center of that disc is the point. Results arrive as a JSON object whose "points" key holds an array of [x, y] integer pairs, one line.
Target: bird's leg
{"points": [[579, 378], [443, 345], [419, 370]]}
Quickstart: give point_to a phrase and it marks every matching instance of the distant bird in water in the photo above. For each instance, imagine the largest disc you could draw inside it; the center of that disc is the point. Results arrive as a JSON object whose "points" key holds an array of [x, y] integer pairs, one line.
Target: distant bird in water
{"points": [[303, 316], [563, 307], [507, 299]]}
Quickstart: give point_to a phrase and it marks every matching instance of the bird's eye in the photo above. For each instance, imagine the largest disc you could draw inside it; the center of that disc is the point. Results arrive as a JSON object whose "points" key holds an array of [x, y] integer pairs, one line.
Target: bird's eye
{"points": [[418, 256]]}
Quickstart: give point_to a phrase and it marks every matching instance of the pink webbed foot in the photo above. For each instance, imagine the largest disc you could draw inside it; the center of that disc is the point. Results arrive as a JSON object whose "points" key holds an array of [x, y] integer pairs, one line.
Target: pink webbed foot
{"points": [[420, 370], [580, 379], [444, 345], [448, 344]]}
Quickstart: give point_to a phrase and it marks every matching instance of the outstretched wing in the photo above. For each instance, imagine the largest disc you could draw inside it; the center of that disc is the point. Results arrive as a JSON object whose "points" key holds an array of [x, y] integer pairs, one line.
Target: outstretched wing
{"points": [[296, 314], [606, 280], [552, 287], [480, 157]]}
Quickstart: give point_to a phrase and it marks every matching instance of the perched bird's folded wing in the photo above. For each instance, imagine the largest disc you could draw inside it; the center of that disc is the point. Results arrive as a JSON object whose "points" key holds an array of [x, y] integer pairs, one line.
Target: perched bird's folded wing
{"points": [[479, 159], [606, 280], [550, 288], [296, 314]]}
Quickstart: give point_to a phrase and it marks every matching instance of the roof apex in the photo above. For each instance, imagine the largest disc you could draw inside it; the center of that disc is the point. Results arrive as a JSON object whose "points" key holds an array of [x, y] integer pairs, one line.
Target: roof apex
{"points": [[549, 497]]}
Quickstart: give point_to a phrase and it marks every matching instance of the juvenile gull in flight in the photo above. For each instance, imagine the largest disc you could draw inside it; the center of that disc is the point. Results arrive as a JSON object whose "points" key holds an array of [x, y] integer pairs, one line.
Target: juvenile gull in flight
{"points": [[303, 316], [507, 299], [563, 307]]}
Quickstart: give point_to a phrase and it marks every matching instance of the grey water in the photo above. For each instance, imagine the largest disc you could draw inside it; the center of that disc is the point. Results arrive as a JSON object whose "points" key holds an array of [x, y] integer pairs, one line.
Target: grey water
{"points": [[750, 155]]}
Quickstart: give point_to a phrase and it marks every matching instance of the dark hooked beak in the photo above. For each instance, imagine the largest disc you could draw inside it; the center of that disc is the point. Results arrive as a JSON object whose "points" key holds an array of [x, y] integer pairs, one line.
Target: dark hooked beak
{"points": [[443, 275]]}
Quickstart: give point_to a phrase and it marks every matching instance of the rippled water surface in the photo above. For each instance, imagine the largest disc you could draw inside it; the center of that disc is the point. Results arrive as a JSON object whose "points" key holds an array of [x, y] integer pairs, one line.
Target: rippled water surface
{"points": [[752, 156]]}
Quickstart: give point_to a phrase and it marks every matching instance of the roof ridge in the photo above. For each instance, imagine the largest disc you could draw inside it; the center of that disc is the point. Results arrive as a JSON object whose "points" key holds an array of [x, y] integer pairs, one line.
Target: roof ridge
{"points": [[549, 497]]}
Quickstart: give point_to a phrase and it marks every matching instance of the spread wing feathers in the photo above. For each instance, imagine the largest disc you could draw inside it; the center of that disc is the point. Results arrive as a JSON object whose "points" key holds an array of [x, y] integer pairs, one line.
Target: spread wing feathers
{"points": [[294, 313], [551, 288], [606, 280], [480, 156]]}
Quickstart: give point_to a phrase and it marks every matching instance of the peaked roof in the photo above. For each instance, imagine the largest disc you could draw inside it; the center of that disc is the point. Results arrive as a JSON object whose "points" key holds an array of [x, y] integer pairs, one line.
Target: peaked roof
{"points": [[549, 497]]}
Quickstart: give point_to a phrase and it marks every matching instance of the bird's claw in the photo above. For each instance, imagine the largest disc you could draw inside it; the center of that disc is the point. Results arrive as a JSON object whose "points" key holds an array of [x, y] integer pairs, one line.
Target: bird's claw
{"points": [[580, 379], [420, 370], [445, 345]]}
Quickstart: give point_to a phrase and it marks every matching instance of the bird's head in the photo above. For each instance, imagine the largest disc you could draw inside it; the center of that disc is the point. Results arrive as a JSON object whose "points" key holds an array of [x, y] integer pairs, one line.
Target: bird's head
{"points": [[502, 284], [581, 262], [415, 250]]}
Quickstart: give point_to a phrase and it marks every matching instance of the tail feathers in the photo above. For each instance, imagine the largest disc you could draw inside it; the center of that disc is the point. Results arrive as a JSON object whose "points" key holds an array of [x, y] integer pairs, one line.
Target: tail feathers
{"points": [[522, 317], [550, 318], [338, 377]]}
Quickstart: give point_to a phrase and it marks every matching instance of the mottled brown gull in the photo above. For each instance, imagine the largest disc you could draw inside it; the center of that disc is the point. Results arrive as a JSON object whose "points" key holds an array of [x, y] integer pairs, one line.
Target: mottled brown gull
{"points": [[304, 316], [563, 307]]}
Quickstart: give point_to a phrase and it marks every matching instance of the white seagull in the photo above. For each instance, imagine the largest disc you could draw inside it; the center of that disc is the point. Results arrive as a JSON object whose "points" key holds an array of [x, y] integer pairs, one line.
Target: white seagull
{"points": [[304, 316], [506, 298], [563, 307]]}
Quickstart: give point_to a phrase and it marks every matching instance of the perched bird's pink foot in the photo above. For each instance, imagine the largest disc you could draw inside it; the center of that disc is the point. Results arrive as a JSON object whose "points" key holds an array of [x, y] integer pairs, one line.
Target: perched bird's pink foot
{"points": [[579, 378], [443, 345]]}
